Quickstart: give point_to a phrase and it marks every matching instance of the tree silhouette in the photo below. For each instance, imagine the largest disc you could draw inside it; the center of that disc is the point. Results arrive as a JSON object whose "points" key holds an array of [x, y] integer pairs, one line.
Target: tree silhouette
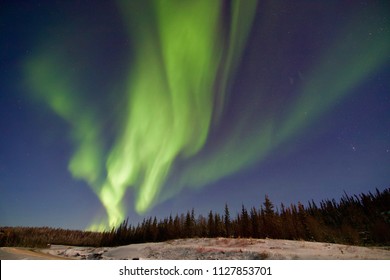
{"points": [[360, 219]]}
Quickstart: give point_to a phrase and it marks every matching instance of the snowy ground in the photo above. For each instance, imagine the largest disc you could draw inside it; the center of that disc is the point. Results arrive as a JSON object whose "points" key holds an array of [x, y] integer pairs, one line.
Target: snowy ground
{"points": [[223, 249]]}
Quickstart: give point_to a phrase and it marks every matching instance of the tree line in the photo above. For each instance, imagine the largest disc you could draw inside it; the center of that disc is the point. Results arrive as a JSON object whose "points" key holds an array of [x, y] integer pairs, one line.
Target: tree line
{"points": [[42, 237], [357, 220]]}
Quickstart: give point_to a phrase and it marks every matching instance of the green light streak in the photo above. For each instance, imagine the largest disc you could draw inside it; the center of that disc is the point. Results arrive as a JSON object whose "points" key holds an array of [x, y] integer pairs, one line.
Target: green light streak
{"points": [[170, 93], [51, 80], [170, 100], [340, 70], [243, 13], [178, 54]]}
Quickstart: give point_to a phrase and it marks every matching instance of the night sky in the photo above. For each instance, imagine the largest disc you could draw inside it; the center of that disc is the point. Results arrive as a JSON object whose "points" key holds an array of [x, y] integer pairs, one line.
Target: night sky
{"points": [[115, 109]]}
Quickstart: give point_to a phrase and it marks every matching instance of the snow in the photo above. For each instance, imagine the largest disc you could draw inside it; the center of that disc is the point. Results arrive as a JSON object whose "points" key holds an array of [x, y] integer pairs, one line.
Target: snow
{"points": [[223, 249]]}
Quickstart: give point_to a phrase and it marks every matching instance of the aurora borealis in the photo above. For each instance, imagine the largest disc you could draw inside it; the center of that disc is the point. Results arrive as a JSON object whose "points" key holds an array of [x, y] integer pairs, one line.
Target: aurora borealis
{"points": [[156, 107]]}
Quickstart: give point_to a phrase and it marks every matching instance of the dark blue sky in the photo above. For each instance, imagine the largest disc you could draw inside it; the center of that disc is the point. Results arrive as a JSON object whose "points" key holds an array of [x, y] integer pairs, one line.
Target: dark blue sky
{"points": [[306, 114]]}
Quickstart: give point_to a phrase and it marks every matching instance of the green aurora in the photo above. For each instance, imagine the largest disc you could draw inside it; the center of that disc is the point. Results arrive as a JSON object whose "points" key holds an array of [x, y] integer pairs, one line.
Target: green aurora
{"points": [[178, 80], [178, 53], [323, 89]]}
